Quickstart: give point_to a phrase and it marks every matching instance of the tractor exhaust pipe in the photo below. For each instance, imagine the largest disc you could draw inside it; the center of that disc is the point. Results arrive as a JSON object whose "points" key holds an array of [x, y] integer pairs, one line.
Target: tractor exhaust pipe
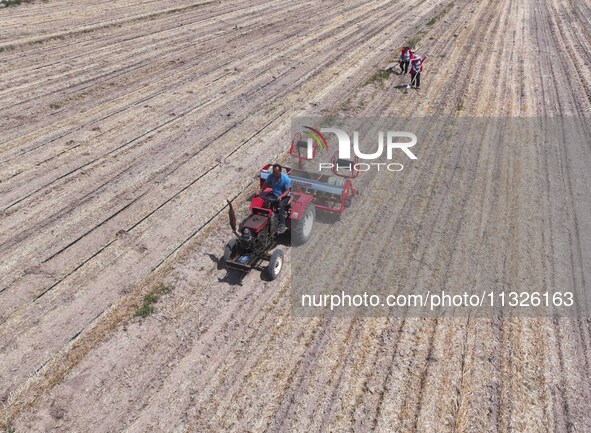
{"points": [[232, 216]]}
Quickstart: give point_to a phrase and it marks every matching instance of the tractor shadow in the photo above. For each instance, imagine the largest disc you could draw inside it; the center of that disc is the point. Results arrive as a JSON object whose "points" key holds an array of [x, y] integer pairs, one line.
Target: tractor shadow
{"points": [[219, 261], [232, 277], [326, 218]]}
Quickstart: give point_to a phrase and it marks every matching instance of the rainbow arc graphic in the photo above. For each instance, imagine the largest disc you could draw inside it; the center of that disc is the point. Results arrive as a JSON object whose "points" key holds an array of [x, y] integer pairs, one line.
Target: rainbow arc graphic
{"points": [[317, 136]]}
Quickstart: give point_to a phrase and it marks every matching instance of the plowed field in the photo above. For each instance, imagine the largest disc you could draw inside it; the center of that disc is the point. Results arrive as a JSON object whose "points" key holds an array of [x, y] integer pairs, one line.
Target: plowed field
{"points": [[124, 127]]}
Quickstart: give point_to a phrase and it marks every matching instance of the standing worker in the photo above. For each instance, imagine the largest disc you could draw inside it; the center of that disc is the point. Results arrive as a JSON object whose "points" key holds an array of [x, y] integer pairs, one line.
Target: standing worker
{"points": [[416, 67], [405, 56]]}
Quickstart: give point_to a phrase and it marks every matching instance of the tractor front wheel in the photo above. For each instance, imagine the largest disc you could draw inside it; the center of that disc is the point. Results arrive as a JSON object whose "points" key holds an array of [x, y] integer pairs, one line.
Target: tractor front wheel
{"points": [[275, 263], [301, 230]]}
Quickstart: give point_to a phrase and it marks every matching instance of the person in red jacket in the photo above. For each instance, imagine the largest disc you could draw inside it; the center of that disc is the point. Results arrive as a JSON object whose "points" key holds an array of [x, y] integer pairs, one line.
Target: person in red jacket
{"points": [[416, 67], [406, 55]]}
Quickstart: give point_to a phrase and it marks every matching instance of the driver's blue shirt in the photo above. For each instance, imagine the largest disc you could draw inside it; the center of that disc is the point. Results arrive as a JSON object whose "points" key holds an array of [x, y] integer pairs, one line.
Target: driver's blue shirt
{"points": [[279, 186]]}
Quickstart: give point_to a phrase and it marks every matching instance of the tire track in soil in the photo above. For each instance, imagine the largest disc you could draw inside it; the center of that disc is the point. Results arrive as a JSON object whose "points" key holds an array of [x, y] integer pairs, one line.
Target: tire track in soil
{"points": [[572, 40], [169, 45], [514, 333], [574, 389], [457, 341], [451, 100], [65, 12], [158, 90], [76, 205], [501, 346]]}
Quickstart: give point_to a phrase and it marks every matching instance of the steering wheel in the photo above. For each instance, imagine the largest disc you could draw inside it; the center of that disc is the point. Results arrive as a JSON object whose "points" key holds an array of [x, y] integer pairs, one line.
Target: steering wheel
{"points": [[269, 198]]}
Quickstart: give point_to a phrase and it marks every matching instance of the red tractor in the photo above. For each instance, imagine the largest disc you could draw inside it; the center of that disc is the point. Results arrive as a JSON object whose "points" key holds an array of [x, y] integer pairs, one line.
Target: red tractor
{"points": [[257, 234]]}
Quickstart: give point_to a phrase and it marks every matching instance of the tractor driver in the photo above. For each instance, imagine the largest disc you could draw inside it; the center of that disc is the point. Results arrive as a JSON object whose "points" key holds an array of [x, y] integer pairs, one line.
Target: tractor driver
{"points": [[281, 184]]}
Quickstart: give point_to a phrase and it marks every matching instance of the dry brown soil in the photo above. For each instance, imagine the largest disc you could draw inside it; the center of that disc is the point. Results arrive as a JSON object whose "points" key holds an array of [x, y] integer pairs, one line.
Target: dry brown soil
{"points": [[124, 127]]}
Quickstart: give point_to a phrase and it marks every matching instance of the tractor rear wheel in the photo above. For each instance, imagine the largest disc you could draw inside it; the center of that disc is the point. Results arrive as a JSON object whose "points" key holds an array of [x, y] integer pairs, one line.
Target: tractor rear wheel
{"points": [[228, 249], [275, 263], [301, 230]]}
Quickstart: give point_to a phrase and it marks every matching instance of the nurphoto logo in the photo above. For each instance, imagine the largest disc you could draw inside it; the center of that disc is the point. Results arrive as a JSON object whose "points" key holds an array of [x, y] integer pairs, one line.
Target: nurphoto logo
{"points": [[390, 141]]}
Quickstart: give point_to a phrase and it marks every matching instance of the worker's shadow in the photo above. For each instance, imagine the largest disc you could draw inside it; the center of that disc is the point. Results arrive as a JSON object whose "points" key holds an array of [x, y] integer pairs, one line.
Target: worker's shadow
{"points": [[395, 71]]}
